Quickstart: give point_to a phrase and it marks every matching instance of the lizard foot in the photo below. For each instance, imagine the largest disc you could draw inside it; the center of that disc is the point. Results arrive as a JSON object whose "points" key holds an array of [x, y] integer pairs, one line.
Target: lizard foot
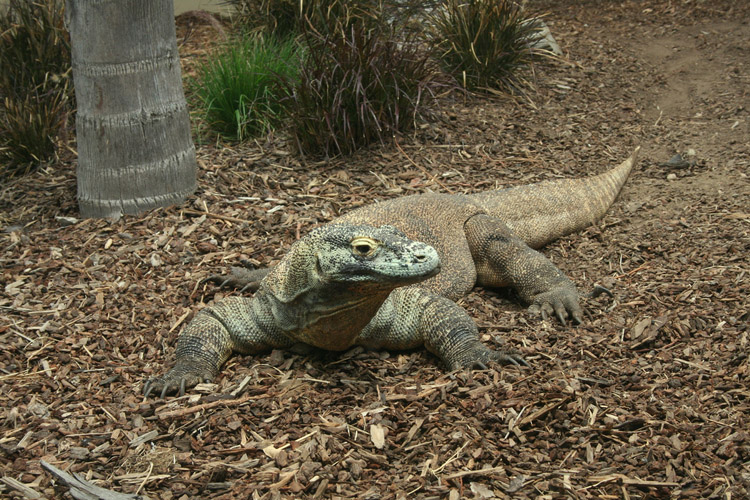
{"points": [[561, 301], [179, 378], [240, 278], [479, 356]]}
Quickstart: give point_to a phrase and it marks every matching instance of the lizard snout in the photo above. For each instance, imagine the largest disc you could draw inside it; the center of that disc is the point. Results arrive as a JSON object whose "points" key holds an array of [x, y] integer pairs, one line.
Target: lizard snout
{"points": [[422, 253], [426, 258]]}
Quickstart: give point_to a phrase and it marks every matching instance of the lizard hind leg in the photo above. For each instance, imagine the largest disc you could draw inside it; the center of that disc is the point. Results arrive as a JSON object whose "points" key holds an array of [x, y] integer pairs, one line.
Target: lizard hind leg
{"points": [[503, 259], [242, 278]]}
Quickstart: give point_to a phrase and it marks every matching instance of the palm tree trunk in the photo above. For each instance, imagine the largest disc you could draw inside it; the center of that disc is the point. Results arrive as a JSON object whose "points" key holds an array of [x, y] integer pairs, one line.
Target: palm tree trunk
{"points": [[135, 151]]}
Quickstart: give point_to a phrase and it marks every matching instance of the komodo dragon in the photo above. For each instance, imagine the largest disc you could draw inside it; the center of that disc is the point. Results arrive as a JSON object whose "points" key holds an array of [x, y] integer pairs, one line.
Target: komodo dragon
{"points": [[385, 276]]}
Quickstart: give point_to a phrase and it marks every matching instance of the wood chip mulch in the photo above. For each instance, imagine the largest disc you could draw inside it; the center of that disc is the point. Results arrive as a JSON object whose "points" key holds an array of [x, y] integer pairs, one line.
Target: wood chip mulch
{"points": [[649, 398]]}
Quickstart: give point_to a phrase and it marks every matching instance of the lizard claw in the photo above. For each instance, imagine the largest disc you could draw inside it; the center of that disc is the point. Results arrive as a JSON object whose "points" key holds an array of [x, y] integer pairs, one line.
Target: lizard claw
{"points": [[509, 357], [178, 379], [480, 357], [561, 301], [599, 290]]}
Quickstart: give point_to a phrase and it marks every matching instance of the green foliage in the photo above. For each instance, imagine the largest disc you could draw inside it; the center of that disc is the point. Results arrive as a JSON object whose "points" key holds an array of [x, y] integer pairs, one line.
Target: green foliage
{"points": [[30, 124], [239, 87], [280, 17], [484, 43], [34, 83], [357, 86], [363, 78], [285, 18]]}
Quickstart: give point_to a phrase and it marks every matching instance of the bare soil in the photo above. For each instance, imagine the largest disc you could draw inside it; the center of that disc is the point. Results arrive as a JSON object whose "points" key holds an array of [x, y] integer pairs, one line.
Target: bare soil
{"points": [[649, 398]]}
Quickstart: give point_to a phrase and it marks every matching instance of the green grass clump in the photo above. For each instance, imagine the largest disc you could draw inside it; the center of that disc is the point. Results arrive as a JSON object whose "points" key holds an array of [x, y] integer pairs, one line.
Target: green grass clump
{"points": [[357, 86], [35, 97], [484, 43], [239, 87]]}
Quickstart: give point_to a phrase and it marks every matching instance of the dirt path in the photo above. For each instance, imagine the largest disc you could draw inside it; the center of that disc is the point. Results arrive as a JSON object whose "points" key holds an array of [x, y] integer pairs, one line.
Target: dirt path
{"points": [[648, 399]]}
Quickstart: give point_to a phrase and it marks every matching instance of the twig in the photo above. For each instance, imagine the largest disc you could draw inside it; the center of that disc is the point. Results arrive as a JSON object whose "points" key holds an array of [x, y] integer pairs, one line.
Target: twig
{"points": [[216, 216], [206, 406], [465, 473], [145, 479], [84, 490], [694, 365], [660, 115], [17, 485], [421, 168], [543, 411], [180, 320], [628, 481]]}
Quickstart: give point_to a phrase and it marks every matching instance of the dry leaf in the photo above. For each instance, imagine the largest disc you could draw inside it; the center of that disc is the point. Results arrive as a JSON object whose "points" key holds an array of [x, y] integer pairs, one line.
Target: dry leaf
{"points": [[271, 451], [377, 435]]}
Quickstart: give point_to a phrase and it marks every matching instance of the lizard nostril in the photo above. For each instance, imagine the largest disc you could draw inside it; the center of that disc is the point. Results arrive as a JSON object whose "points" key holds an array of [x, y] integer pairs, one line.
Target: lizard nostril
{"points": [[420, 257]]}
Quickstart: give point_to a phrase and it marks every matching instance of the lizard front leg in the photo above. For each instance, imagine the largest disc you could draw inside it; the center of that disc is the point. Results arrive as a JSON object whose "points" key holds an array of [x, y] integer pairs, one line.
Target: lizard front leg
{"points": [[503, 259], [235, 324], [413, 316]]}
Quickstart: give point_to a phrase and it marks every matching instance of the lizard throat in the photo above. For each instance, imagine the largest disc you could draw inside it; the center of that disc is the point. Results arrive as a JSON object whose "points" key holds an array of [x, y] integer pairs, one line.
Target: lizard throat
{"points": [[336, 328]]}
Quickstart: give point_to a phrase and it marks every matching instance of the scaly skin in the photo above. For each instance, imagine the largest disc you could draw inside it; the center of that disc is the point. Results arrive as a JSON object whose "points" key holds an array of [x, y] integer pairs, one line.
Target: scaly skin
{"points": [[366, 277]]}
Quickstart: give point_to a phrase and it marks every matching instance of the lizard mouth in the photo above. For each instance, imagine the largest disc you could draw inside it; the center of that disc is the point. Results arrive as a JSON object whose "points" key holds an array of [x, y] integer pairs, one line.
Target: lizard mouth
{"points": [[433, 272], [401, 274], [381, 275]]}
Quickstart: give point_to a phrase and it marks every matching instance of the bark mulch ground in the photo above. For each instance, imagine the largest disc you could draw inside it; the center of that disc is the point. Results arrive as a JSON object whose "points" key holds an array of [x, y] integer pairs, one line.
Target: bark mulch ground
{"points": [[649, 398]]}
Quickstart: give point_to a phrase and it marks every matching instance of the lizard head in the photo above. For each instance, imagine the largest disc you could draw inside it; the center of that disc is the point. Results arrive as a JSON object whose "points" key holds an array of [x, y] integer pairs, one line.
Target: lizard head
{"points": [[333, 281], [347, 258], [379, 255]]}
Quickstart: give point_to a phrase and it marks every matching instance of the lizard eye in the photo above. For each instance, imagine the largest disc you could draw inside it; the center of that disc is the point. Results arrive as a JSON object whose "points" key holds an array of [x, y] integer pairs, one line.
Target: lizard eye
{"points": [[362, 246]]}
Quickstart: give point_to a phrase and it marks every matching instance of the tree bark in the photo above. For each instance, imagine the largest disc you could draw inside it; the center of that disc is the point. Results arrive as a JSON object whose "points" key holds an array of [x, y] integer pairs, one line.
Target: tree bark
{"points": [[135, 151]]}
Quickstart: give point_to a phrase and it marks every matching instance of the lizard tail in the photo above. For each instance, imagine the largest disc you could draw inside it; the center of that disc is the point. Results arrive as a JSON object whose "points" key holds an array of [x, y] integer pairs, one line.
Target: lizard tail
{"points": [[549, 210]]}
